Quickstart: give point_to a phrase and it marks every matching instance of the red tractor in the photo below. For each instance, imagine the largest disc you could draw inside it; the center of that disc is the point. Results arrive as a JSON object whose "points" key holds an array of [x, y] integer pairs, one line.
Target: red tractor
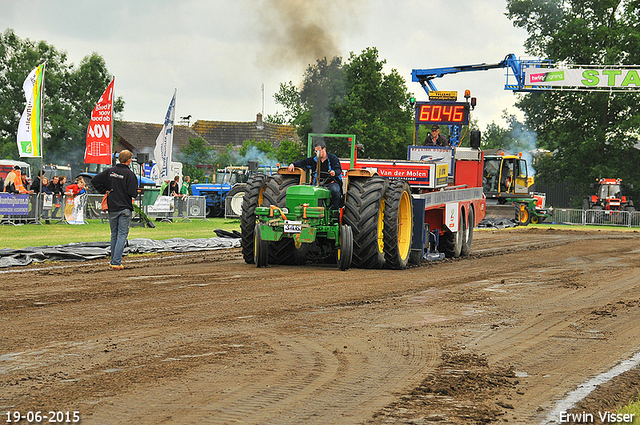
{"points": [[608, 198]]}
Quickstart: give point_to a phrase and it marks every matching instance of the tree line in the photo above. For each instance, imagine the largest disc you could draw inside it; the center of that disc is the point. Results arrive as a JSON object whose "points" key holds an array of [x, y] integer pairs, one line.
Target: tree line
{"points": [[584, 135]]}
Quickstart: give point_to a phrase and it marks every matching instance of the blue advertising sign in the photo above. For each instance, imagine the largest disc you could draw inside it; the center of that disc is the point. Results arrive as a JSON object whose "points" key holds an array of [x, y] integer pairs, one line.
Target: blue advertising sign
{"points": [[11, 204]]}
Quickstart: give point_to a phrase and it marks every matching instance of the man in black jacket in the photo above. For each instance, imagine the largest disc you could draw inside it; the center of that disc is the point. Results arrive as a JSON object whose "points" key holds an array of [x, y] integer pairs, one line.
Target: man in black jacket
{"points": [[435, 138], [330, 171], [122, 185]]}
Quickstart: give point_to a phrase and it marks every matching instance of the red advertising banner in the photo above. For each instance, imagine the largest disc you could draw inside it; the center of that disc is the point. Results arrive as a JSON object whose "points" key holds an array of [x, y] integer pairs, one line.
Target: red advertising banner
{"points": [[100, 131]]}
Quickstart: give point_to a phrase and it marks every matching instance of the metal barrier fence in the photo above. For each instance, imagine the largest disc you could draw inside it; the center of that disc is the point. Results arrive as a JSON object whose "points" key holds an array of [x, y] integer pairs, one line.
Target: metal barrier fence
{"points": [[45, 209], [177, 208], [597, 217]]}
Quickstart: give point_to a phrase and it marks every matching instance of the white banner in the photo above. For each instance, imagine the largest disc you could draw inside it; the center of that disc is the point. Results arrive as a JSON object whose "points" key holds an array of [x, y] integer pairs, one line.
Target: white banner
{"points": [[620, 78], [29, 129], [162, 204], [164, 144]]}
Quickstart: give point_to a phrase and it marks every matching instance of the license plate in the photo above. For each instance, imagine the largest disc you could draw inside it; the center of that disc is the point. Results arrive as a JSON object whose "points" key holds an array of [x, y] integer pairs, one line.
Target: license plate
{"points": [[292, 226]]}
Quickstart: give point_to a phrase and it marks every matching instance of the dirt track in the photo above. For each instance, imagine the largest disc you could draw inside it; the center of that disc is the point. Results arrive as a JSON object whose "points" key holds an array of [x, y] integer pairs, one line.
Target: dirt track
{"points": [[205, 338]]}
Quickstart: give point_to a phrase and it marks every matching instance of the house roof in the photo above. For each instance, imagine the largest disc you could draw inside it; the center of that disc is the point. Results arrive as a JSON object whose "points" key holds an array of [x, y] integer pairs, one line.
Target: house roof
{"points": [[141, 136], [222, 133]]}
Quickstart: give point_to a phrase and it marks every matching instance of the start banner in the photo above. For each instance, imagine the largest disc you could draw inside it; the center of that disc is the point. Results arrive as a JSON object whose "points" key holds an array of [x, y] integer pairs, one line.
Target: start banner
{"points": [[621, 78]]}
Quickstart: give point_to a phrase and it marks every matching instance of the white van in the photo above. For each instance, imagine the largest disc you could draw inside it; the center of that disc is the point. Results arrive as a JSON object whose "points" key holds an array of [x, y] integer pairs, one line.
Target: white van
{"points": [[6, 166]]}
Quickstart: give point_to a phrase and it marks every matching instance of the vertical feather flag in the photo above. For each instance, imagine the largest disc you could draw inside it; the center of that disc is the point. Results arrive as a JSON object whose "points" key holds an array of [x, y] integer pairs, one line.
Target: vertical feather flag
{"points": [[30, 126], [100, 130], [164, 145]]}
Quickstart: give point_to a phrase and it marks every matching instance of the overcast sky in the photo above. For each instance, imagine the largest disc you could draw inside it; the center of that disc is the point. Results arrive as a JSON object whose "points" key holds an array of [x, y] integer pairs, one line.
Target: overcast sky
{"points": [[219, 53]]}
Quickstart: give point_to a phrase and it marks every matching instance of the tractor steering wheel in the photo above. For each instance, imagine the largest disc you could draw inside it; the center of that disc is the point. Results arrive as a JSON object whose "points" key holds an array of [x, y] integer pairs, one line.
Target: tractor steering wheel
{"points": [[325, 178]]}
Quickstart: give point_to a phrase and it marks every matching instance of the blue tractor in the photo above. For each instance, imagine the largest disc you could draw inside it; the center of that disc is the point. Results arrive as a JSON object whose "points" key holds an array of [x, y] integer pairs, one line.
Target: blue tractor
{"points": [[224, 197]]}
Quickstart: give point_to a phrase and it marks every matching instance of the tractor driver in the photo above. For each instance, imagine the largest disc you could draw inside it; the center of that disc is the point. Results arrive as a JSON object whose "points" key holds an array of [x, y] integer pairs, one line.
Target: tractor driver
{"points": [[329, 166]]}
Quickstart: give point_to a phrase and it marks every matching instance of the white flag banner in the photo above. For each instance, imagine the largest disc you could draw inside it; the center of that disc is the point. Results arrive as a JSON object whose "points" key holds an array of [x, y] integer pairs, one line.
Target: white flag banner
{"points": [[164, 144], [29, 128]]}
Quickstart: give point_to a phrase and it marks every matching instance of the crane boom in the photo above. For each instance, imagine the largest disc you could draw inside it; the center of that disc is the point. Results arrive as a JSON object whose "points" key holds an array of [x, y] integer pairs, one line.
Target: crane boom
{"points": [[425, 76]]}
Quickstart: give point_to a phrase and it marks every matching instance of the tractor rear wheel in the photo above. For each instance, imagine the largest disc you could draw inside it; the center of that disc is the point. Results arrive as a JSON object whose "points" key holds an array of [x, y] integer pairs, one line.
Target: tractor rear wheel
{"points": [[398, 225], [345, 250], [468, 233], [260, 248], [364, 212], [283, 251], [252, 199], [451, 243], [234, 200]]}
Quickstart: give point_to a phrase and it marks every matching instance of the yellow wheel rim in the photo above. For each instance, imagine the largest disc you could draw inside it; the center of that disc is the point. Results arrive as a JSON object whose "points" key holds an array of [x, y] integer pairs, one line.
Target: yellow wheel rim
{"points": [[405, 224], [524, 215], [381, 227]]}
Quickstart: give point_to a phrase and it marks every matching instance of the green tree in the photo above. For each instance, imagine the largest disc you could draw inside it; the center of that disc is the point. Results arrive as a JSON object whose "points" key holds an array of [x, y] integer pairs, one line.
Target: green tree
{"points": [[196, 152], [263, 151], [290, 151], [377, 108], [354, 98], [70, 95], [590, 134], [515, 138]]}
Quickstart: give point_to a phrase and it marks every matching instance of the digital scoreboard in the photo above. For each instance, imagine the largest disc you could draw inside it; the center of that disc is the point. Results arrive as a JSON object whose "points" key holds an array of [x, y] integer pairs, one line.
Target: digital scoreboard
{"points": [[446, 113]]}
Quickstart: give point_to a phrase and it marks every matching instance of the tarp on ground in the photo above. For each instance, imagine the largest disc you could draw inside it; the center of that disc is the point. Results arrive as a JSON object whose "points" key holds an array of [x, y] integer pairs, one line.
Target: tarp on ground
{"points": [[497, 223], [95, 250]]}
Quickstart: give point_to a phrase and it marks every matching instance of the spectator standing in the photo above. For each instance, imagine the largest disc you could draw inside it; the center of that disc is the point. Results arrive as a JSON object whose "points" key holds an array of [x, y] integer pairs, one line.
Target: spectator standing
{"points": [[13, 182], [76, 188], [35, 185], [45, 192], [56, 188], [184, 189], [184, 192], [174, 187], [122, 185]]}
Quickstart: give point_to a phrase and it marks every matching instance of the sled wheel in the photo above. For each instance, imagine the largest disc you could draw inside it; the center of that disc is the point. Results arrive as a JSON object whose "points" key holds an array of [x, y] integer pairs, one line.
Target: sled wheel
{"points": [[468, 233], [451, 242]]}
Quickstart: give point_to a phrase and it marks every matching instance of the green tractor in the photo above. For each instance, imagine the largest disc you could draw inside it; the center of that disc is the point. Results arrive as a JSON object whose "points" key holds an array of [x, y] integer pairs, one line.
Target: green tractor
{"points": [[286, 220], [305, 219]]}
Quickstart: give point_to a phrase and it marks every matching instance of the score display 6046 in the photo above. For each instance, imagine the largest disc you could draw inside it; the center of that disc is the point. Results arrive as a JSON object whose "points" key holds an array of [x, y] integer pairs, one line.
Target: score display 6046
{"points": [[447, 113]]}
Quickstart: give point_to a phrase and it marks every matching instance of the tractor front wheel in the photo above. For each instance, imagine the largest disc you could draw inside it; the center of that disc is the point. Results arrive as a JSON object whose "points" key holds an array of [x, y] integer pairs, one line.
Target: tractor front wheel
{"points": [[345, 250], [283, 251], [260, 248]]}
